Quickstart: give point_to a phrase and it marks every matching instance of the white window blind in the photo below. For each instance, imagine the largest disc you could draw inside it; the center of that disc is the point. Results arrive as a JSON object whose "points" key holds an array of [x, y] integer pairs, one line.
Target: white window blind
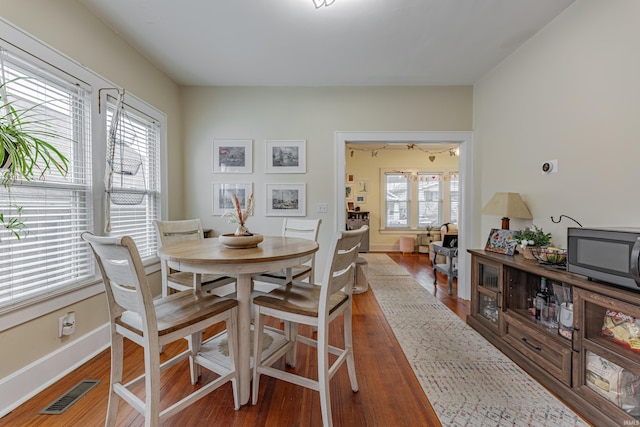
{"points": [[51, 257], [136, 177]]}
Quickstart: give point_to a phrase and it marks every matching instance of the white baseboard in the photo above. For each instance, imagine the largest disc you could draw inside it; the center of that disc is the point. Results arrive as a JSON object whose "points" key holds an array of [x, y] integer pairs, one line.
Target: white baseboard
{"points": [[22, 385]]}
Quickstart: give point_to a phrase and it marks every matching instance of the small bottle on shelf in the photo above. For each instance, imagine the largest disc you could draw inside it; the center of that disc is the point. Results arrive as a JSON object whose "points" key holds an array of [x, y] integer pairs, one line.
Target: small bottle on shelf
{"points": [[542, 297]]}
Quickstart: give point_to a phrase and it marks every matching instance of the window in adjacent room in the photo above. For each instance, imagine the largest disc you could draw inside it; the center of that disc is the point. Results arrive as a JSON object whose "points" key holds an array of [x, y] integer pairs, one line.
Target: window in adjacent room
{"points": [[429, 199], [396, 188], [454, 197], [416, 200]]}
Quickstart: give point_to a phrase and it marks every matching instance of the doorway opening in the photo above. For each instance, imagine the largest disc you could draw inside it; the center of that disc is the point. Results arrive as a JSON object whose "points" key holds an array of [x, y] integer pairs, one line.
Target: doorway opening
{"points": [[463, 140]]}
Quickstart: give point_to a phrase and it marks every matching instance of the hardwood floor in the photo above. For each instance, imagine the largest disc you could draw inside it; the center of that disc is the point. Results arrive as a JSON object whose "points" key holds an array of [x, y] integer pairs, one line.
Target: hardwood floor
{"points": [[389, 392]]}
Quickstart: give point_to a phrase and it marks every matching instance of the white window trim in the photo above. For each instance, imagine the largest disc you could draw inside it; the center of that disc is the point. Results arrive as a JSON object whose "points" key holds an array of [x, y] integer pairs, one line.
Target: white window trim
{"points": [[21, 41]]}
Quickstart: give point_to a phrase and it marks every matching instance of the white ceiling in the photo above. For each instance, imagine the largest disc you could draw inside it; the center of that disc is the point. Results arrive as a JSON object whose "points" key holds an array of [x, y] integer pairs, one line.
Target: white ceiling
{"points": [[351, 42]]}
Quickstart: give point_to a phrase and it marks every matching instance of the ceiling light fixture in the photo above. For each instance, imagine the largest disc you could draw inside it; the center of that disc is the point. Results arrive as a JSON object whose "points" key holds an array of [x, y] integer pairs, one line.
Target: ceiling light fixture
{"points": [[320, 3]]}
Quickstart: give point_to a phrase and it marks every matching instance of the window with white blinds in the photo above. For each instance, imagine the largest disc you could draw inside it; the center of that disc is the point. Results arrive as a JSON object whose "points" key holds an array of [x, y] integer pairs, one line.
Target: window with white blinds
{"points": [[429, 199], [396, 197], [136, 164], [454, 197], [415, 200], [50, 255]]}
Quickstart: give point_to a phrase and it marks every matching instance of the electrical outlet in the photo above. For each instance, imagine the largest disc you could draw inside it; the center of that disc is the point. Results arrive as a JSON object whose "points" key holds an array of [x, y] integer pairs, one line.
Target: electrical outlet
{"points": [[67, 324], [322, 208]]}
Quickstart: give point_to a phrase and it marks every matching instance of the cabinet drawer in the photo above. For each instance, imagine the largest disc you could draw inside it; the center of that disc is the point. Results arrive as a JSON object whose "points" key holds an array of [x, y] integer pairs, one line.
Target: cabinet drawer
{"points": [[551, 355]]}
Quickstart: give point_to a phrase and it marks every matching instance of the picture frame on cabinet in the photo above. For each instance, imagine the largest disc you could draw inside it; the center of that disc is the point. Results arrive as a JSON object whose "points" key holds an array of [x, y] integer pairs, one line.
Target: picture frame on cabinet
{"points": [[286, 156], [223, 196], [232, 156], [502, 241], [286, 200]]}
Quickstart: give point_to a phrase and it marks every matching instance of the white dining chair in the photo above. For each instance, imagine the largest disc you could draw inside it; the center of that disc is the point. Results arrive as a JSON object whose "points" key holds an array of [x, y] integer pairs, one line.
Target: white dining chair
{"points": [[134, 314], [179, 231], [315, 305], [302, 229]]}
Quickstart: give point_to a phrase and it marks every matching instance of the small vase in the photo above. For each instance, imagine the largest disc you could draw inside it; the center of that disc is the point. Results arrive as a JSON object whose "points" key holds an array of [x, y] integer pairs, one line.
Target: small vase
{"points": [[526, 252]]}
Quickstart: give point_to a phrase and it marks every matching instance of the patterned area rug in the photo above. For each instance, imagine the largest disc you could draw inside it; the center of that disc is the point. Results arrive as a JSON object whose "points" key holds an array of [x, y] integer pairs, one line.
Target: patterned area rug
{"points": [[468, 381]]}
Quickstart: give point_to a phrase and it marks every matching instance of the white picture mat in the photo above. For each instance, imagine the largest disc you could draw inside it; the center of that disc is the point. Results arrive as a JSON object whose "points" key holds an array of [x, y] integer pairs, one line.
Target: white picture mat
{"points": [[286, 156], [232, 156], [223, 193], [286, 199]]}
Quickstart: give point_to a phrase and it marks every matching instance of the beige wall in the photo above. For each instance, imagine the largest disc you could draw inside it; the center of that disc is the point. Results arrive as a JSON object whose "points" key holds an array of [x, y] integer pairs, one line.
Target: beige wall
{"points": [[314, 114], [366, 167], [69, 28], [572, 93]]}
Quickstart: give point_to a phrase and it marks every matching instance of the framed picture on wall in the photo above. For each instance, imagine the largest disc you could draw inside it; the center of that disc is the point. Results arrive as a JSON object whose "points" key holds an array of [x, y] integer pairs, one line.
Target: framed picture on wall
{"points": [[286, 200], [350, 177], [232, 156], [286, 156], [363, 186], [348, 192], [361, 199], [223, 196]]}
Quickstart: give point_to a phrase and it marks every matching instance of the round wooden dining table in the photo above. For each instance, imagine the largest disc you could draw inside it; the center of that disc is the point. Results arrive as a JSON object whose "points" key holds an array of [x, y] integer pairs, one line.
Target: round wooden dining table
{"points": [[209, 256]]}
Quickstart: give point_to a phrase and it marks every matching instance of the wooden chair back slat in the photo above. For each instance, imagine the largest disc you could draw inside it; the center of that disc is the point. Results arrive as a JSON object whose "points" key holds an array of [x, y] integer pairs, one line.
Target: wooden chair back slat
{"points": [[178, 231]]}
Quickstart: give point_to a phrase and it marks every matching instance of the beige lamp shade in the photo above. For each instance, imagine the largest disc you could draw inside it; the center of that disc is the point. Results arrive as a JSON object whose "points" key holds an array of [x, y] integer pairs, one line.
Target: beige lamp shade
{"points": [[507, 205]]}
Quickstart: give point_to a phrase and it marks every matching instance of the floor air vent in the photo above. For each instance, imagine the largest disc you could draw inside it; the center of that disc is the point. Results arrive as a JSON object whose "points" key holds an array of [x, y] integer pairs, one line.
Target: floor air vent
{"points": [[62, 403]]}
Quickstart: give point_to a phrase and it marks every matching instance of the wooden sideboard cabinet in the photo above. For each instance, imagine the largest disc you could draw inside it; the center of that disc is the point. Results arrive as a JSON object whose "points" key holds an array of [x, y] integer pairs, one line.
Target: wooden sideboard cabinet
{"points": [[502, 288]]}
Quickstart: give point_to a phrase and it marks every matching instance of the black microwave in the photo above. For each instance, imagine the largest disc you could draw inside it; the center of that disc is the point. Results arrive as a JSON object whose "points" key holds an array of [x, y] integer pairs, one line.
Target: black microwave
{"points": [[609, 255]]}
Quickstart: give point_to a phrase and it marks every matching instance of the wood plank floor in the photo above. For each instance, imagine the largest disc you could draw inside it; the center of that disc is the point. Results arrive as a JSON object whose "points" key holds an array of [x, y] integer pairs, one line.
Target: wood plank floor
{"points": [[389, 392]]}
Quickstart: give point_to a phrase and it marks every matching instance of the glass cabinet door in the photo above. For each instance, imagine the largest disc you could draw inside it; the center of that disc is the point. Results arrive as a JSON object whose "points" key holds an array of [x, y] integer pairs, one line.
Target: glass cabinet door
{"points": [[487, 286], [609, 348]]}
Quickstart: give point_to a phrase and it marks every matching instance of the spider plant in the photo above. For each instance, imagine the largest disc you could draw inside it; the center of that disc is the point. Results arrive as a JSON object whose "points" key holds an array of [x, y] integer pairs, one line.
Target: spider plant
{"points": [[25, 153]]}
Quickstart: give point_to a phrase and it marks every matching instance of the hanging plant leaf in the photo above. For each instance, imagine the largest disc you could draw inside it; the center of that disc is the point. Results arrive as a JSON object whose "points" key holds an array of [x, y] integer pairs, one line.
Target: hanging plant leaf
{"points": [[25, 153]]}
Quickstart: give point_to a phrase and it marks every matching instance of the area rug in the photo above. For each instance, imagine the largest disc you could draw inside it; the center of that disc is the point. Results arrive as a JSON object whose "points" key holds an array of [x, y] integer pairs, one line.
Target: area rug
{"points": [[468, 381]]}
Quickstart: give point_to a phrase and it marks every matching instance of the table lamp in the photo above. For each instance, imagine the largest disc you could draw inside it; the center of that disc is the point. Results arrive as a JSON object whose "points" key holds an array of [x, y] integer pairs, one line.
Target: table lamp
{"points": [[507, 205]]}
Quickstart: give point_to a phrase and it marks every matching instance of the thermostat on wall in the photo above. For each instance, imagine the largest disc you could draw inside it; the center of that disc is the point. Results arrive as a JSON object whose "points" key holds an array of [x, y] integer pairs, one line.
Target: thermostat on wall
{"points": [[550, 167]]}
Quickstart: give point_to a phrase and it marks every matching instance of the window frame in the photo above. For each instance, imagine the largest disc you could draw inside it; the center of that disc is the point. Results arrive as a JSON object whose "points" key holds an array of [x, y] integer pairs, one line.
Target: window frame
{"points": [[22, 44], [413, 202]]}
